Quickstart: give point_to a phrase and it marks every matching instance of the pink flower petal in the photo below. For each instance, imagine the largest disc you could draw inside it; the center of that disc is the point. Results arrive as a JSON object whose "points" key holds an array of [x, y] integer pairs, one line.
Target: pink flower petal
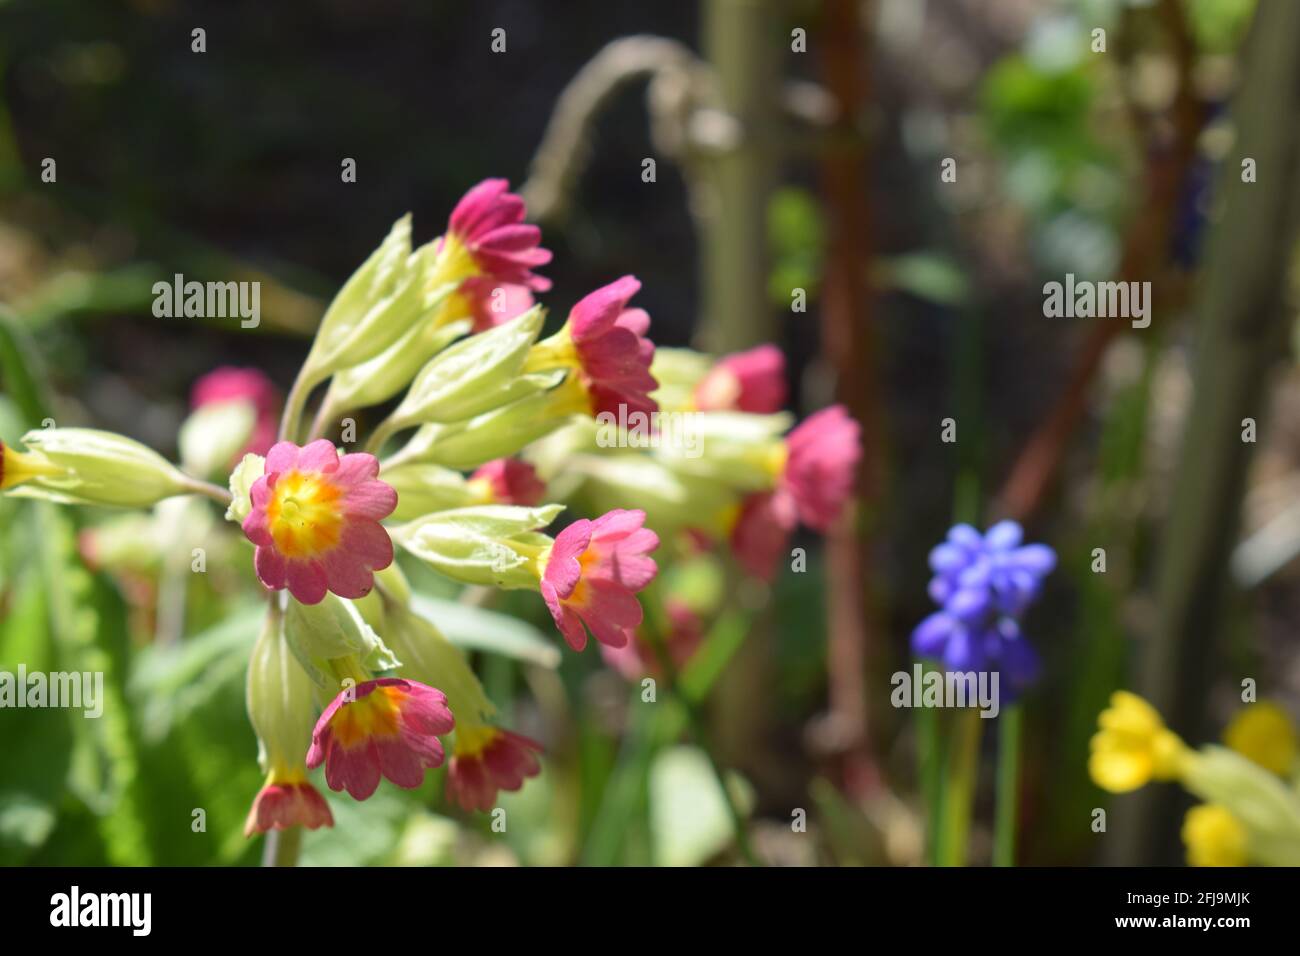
{"points": [[283, 456], [307, 581]]}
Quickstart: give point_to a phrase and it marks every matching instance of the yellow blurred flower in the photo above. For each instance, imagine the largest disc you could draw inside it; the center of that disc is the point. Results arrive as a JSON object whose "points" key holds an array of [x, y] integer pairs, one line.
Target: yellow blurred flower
{"points": [[1214, 837], [1263, 732], [1133, 746]]}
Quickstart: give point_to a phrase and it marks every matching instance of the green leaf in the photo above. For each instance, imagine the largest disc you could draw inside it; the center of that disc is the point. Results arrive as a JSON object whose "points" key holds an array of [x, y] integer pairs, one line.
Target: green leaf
{"points": [[21, 369], [481, 629], [689, 820], [172, 682]]}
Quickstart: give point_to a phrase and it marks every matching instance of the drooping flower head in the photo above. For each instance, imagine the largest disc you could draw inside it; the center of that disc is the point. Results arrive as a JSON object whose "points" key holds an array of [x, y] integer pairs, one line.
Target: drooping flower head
{"points": [[1133, 746], [822, 459], [315, 520], [508, 481], [983, 584], [752, 381], [813, 470], [761, 531], [593, 573], [605, 343], [387, 727], [230, 384], [287, 801], [487, 226], [486, 760]]}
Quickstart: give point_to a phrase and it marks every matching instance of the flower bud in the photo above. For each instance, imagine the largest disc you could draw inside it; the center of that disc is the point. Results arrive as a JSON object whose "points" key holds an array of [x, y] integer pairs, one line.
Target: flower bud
{"points": [[739, 450], [392, 370], [492, 544], [214, 435], [678, 371], [87, 466], [474, 376], [282, 712], [280, 700], [242, 479], [375, 307], [423, 489], [332, 629], [499, 433]]}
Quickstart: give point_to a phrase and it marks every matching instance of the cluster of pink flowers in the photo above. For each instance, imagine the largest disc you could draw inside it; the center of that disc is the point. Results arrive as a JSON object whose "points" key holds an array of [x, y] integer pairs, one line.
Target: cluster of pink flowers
{"points": [[315, 516]]}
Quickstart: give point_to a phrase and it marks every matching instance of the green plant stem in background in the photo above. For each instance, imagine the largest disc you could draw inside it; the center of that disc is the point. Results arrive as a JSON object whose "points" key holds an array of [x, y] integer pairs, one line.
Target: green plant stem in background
{"points": [[930, 747], [1004, 826], [282, 847], [294, 403], [218, 494], [959, 789], [698, 731]]}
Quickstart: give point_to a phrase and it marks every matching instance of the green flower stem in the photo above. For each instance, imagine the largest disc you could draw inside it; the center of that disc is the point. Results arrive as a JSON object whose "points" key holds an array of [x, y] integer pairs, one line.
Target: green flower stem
{"points": [[1004, 825], [282, 847], [962, 770], [695, 722], [383, 431], [930, 745], [326, 414], [294, 403], [218, 494]]}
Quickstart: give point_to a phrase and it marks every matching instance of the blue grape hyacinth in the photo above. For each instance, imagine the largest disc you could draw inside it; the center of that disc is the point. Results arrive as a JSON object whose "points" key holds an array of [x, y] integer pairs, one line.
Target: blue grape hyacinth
{"points": [[983, 583]]}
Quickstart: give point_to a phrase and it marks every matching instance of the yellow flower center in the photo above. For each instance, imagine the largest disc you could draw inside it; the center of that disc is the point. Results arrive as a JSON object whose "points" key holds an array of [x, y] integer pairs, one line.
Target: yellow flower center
{"points": [[473, 739], [455, 263], [304, 514], [375, 715], [556, 352]]}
